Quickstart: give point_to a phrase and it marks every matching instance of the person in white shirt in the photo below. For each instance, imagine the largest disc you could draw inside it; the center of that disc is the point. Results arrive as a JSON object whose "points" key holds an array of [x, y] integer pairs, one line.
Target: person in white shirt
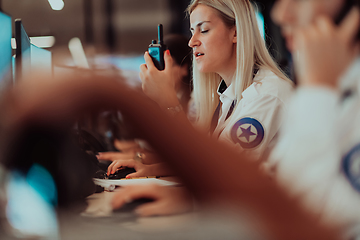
{"points": [[255, 123], [318, 156], [230, 59], [239, 92]]}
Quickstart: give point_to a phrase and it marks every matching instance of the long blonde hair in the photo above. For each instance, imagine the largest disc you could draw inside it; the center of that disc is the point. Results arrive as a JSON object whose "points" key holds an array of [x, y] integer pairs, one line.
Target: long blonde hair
{"points": [[250, 46]]}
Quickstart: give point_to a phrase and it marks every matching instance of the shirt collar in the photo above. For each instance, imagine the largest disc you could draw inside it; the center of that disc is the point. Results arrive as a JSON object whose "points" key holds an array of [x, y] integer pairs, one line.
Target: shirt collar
{"points": [[222, 87], [259, 75], [229, 92], [224, 90]]}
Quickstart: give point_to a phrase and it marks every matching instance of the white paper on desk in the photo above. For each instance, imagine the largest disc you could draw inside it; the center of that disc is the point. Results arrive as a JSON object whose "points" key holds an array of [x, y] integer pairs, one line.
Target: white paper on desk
{"points": [[107, 183]]}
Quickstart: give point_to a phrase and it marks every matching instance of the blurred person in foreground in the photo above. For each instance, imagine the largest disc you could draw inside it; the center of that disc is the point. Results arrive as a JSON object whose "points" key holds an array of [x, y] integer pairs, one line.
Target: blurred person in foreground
{"points": [[318, 157], [237, 183]]}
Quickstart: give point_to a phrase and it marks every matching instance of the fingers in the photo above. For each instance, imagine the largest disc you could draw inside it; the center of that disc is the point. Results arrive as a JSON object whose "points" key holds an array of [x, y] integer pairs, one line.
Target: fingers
{"points": [[125, 145], [146, 69], [135, 175], [119, 199], [148, 61], [324, 28], [324, 25], [349, 27], [153, 208], [167, 200], [143, 67], [115, 165], [112, 166], [347, 30], [149, 64], [111, 156], [171, 200], [142, 170], [130, 193], [324, 50], [168, 60]]}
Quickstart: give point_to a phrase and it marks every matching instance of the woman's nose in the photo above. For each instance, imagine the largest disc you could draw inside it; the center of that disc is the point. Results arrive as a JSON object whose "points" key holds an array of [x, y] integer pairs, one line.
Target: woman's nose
{"points": [[194, 42]]}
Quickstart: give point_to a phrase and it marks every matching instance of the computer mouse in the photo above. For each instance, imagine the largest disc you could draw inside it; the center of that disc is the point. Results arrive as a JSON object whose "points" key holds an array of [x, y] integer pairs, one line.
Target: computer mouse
{"points": [[100, 174], [121, 173]]}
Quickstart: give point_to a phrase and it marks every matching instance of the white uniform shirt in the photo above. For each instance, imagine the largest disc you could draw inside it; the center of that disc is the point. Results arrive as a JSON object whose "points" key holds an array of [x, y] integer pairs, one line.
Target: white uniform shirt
{"points": [[257, 118], [318, 156]]}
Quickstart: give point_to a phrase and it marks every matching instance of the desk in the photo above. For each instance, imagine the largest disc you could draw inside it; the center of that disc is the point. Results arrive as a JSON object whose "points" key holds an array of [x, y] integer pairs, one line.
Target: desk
{"points": [[124, 224]]}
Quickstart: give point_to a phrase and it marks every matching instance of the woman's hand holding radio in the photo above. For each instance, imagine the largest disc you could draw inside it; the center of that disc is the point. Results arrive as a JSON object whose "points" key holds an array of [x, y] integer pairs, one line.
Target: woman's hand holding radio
{"points": [[159, 85]]}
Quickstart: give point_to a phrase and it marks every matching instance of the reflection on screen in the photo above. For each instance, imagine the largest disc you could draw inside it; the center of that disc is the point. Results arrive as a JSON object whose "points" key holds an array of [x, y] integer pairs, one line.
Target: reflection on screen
{"points": [[25, 51], [22, 50], [261, 23], [41, 60], [5, 50]]}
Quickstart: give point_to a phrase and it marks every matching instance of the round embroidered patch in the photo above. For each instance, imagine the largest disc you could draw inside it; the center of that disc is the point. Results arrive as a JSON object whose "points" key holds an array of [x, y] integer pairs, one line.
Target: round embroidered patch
{"points": [[248, 132], [351, 167]]}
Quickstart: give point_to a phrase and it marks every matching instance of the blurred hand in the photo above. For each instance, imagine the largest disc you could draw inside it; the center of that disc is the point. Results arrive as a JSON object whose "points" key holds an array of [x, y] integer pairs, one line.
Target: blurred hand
{"points": [[127, 148], [167, 200], [149, 157], [112, 156], [124, 146], [326, 50], [159, 85], [142, 170]]}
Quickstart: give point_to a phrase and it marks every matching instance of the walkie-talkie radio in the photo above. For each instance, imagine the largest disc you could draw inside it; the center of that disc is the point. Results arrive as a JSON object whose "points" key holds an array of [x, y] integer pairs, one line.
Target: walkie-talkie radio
{"points": [[157, 49]]}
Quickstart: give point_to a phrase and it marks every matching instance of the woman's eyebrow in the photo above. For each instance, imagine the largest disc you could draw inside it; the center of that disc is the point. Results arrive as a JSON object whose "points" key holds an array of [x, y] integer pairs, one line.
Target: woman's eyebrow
{"points": [[199, 25]]}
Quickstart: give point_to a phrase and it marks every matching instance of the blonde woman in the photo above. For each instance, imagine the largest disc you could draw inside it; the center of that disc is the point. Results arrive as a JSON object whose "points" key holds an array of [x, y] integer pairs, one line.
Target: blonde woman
{"points": [[239, 92]]}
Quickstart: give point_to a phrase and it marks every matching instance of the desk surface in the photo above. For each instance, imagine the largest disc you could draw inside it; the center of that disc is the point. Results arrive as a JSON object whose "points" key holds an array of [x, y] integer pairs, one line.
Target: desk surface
{"points": [[124, 224]]}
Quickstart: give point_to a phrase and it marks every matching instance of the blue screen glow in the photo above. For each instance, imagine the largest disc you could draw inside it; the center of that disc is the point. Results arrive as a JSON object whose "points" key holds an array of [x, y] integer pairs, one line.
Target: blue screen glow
{"points": [[41, 60], [5, 49]]}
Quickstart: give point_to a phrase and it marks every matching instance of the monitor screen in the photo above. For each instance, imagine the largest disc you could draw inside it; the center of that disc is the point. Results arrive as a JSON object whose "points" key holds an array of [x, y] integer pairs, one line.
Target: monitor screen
{"points": [[261, 23], [41, 60], [5, 50], [23, 62]]}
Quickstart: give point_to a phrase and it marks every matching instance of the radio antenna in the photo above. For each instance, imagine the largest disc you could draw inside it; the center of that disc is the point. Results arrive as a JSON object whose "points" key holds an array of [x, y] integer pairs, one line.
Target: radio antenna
{"points": [[160, 34]]}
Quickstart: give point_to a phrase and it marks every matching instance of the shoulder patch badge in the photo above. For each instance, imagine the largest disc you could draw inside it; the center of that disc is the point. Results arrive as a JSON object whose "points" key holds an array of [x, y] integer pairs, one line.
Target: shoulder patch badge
{"points": [[248, 132], [351, 167]]}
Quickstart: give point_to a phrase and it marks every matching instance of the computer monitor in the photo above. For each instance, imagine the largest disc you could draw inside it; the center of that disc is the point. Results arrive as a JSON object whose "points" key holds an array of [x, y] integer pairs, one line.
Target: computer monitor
{"points": [[5, 50], [23, 50], [30, 58], [261, 23], [41, 60]]}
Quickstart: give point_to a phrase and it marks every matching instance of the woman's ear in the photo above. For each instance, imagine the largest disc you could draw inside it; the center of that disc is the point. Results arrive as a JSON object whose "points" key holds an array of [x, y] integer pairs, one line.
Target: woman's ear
{"points": [[235, 36]]}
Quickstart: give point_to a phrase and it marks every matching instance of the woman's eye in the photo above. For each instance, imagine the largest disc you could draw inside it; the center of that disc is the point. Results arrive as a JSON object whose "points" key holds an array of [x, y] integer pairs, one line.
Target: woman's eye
{"points": [[204, 31]]}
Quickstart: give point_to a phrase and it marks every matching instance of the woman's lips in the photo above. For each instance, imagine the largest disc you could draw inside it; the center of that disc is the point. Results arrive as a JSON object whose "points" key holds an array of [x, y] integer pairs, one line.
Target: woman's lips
{"points": [[198, 55]]}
